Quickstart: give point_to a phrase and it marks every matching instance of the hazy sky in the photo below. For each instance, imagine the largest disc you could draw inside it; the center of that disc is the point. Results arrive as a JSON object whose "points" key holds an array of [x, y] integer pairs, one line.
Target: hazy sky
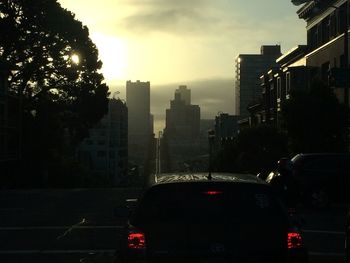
{"points": [[166, 41], [183, 41]]}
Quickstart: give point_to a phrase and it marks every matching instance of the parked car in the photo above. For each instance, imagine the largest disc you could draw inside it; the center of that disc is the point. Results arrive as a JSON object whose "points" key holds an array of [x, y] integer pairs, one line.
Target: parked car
{"points": [[217, 218], [322, 178]]}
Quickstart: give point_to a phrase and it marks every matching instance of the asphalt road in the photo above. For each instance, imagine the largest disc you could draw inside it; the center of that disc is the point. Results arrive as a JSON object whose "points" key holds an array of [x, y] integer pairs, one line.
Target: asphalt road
{"points": [[60, 225], [80, 226], [324, 233]]}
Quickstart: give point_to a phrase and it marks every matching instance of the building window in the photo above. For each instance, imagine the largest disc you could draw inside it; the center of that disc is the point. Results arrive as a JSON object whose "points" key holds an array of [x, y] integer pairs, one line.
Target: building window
{"points": [[342, 18], [287, 83], [325, 29], [325, 71], [312, 37], [319, 34], [279, 88], [333, 26]]}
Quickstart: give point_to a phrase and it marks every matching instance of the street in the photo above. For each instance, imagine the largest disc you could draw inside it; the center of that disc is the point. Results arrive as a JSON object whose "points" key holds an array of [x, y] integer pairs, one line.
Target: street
{"points": [[80, 226]]}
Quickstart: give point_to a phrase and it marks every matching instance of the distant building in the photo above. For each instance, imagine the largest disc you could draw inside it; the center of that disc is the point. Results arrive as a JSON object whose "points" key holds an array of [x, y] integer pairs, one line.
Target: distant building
{"points": [[226, 127], [182, 130], [205, 126], [182, 120], [185, 94], [140, 123], [105, 151], [249, 67]]}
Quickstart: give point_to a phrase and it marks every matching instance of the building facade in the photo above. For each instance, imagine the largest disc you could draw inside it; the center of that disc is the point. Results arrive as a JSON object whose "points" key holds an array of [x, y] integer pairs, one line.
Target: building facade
{"points": [[325, 58], [328, 42], [140, 121], [248, 68], [105, 151], [182, 131]]}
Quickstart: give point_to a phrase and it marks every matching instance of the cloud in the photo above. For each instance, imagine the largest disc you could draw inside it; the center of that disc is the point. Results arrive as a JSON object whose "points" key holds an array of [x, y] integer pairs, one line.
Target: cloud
{"points": [[166, 3], [172, 20]]}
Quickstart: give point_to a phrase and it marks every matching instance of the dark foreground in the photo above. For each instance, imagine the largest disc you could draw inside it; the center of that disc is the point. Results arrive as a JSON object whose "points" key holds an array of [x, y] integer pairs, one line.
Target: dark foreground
{"points": [[79, 226]]}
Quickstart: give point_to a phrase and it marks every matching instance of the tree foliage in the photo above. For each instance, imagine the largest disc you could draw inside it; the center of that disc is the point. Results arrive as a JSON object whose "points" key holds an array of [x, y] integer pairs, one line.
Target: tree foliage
{"points": [[259, 148], [315, 120], [59, 98], [256, 149]]}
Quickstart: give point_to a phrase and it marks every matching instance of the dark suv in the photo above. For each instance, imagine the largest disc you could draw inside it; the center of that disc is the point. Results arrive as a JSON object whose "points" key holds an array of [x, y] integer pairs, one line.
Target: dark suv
{"points": [[323, 177], [218, 218]]}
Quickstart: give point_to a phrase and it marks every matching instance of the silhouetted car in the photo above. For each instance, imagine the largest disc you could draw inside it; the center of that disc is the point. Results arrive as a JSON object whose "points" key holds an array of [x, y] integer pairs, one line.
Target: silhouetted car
{"points": [[222, 218], [322, 177]]}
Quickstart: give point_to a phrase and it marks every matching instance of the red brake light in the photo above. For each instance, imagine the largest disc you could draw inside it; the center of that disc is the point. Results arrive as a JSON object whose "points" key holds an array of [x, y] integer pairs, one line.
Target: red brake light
{"points": [[211, 192], [294, 240], [136, 240]]}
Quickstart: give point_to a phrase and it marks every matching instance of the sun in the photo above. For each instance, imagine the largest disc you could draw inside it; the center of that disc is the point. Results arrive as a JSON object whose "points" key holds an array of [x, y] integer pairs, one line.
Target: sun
{"points": [[75, 59], [113, 54]]}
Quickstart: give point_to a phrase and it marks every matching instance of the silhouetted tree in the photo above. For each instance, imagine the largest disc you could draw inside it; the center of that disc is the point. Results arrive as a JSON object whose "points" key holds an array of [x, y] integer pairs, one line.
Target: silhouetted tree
{"points": [[259, 148], [60, 97], [315, 120], [255, 150]]}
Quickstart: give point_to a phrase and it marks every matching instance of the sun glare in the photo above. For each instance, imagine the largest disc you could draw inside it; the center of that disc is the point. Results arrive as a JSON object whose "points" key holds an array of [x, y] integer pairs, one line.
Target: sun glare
{"points": [[113, 54], [75, 59]]}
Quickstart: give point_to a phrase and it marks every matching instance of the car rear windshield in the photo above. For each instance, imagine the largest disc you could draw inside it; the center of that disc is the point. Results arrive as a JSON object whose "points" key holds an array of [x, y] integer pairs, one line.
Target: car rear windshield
{"points": [[332, 162], [208, 202]]}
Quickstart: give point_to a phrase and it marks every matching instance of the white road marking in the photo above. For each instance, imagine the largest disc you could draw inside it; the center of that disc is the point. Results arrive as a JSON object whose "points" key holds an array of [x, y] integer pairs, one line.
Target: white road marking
{"points": [[56, 227], [72, 251]]}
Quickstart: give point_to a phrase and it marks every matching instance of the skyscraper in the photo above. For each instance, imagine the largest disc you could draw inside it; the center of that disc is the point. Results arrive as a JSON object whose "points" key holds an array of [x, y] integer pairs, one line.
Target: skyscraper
{"points": [[185, 94], [182, 130], [139, 121], [249, 68]]}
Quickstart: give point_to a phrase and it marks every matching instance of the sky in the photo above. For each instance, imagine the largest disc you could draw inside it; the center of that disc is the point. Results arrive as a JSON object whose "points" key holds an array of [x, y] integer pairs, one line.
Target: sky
{"points": [[184, 42]]}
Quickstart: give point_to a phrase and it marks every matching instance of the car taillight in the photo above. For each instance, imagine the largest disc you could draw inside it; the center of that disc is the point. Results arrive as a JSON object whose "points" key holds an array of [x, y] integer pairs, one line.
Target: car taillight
{"points": [[212, 192], [294, 240], [136, 240]]}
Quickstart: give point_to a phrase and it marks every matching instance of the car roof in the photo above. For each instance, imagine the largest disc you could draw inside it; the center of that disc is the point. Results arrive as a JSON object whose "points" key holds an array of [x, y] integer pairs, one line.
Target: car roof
{"points": [[323, 154], [301, 156], [167, 178]]}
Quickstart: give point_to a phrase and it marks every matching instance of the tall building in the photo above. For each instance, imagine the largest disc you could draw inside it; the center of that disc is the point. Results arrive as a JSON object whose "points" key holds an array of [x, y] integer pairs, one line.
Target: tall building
{"points": [[182, 130], [105, 151], [185, 94], [140, 122], [182, 120], [226, 127], [249, 67]]}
